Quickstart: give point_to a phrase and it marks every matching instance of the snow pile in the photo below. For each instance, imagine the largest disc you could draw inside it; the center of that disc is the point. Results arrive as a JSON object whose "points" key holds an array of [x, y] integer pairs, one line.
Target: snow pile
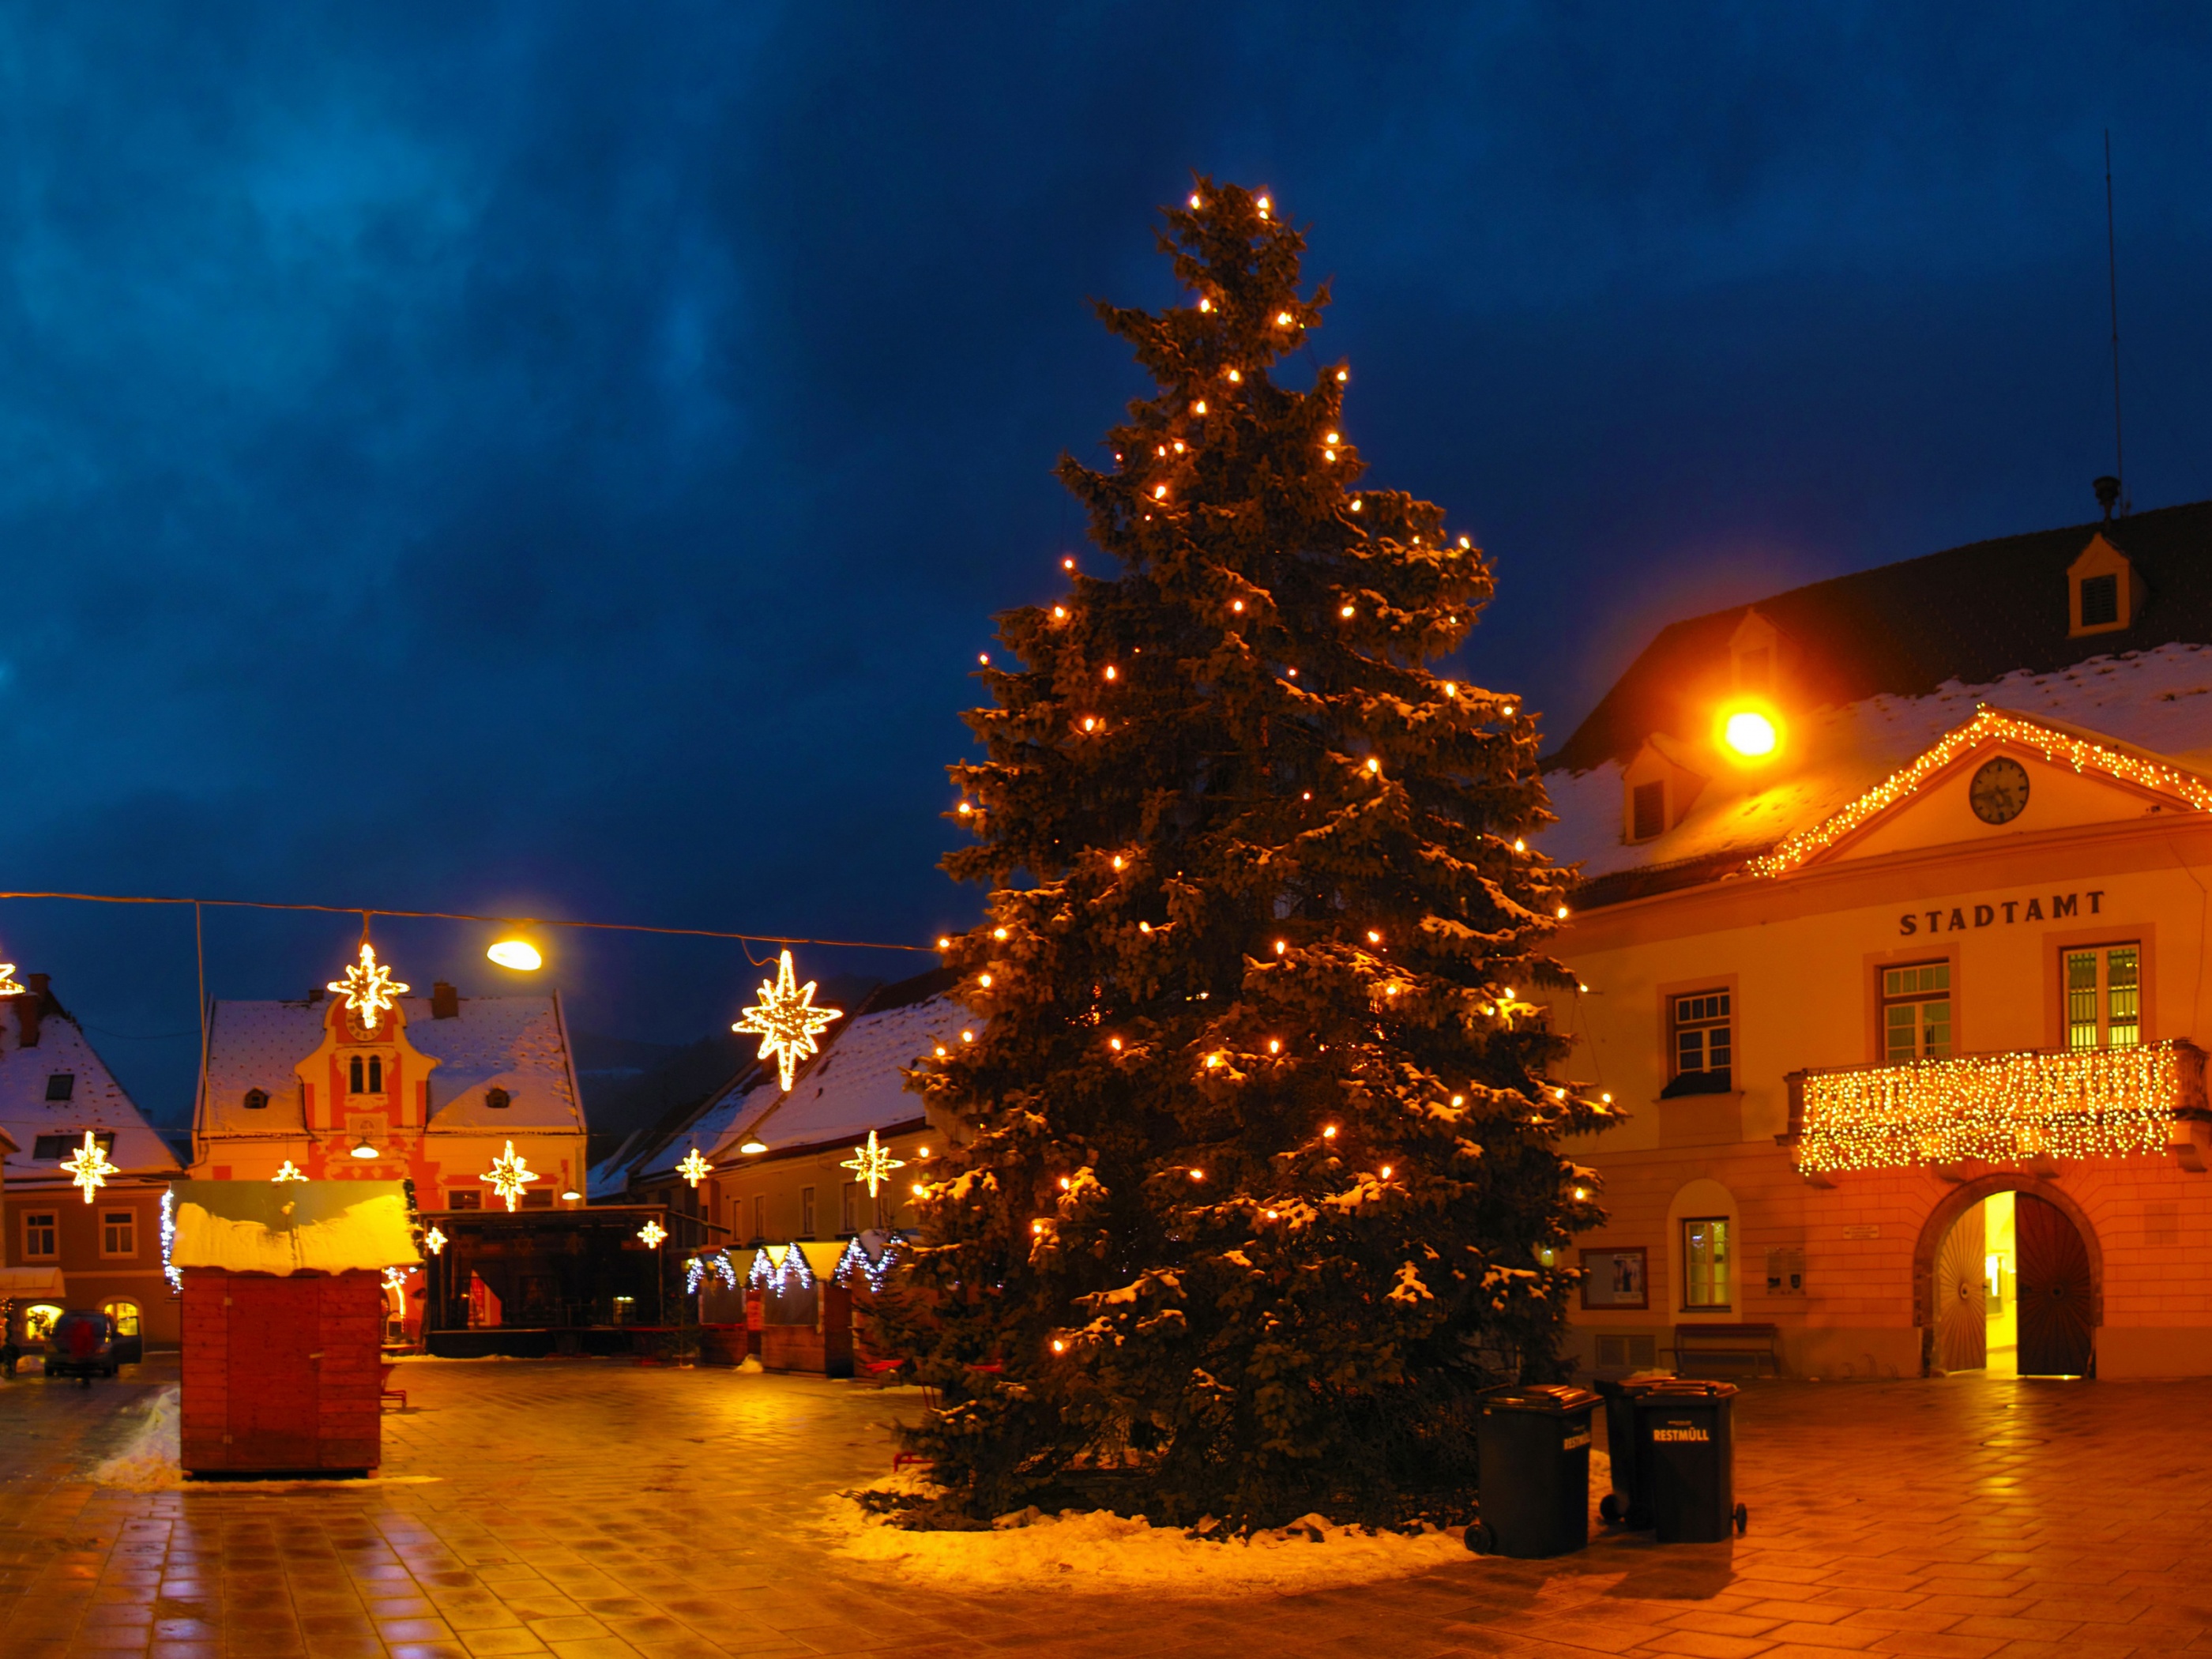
{"points": [[149, 1462], [371, 1233], [1094, 1551]]}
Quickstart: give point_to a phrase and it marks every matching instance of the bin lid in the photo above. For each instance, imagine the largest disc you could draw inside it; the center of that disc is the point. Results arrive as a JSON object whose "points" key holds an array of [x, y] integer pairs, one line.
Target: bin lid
{"points": [[1629, 1387], [1673, 1390], [1557, 1398]]}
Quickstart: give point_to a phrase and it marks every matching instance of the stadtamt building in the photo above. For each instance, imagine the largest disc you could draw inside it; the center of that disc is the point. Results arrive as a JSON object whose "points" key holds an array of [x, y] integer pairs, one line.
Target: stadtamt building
{"points": [[1891, 939]]}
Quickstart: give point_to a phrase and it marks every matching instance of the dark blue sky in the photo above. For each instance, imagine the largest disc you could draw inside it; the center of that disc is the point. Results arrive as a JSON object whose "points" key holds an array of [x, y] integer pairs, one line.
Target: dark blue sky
{"points": [[565, 458]]}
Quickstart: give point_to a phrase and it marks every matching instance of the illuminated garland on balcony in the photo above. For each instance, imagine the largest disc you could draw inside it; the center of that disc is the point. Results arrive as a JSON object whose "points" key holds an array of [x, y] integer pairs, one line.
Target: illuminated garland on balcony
{"points": [[2056, 747], [2000, 1109]]}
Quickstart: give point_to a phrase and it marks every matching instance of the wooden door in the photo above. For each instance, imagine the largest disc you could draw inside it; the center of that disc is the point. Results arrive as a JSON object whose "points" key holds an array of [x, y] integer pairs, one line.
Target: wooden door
{"points": [[275, 1397], [2054, 1290], [1962, 1331]]}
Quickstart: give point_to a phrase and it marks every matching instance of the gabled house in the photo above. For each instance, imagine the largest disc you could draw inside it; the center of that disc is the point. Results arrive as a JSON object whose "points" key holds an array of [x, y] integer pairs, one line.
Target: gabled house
{"points": [[69, 1244], [1889, 943]]}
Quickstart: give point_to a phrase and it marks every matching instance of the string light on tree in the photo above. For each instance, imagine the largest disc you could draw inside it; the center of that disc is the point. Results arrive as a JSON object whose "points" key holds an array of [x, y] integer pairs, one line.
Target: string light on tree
{"points": [[872, 1164], [89, 1167], [787, 1021], [368, 988], [508, 1175], [694, 1167]]}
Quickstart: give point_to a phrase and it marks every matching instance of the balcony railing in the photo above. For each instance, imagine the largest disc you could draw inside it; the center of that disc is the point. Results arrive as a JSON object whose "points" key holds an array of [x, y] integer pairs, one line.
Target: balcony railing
{"points": [[1997, 1109]]}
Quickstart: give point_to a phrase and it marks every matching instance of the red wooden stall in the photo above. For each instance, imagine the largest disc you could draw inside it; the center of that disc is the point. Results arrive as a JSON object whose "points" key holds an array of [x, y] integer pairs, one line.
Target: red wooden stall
{"points": [[283, 1321]]}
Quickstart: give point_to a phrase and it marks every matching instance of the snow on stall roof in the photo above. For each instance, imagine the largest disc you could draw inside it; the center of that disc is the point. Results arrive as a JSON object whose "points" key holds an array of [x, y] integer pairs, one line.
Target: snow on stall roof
{"points": [[2159, 701], [96, 1102], [514, 1043], [856, 1085], [309, 1227]]}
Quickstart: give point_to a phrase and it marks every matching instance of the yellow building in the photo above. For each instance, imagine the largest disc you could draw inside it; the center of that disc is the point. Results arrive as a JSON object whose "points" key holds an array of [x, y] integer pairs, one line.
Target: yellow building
{"points": [[1892, 939]]}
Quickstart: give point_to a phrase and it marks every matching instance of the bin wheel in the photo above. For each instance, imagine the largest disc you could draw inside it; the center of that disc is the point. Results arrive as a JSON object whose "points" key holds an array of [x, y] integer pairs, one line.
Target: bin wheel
{"points": [[1609, 1509], [1482, 1538], [1743, 1519]]}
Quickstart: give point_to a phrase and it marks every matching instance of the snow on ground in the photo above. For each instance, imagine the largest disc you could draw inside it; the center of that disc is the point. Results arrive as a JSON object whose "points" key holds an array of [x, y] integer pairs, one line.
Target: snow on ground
{"points": [[149, 1463], [1080, 1552]]}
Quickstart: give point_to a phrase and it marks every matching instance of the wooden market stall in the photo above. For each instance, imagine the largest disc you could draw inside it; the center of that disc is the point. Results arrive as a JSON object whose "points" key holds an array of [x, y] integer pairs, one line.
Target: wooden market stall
{"points": [[806, 1315], [283, 1316]]}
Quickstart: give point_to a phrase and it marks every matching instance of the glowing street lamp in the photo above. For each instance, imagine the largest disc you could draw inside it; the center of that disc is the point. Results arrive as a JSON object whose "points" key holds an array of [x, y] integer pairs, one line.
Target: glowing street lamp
{"points": [[1750, 736], [519, 954]]}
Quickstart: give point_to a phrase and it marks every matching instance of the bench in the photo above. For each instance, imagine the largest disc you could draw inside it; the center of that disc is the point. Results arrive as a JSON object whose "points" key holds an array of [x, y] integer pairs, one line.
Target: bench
{"points": [[1752, 1342]]}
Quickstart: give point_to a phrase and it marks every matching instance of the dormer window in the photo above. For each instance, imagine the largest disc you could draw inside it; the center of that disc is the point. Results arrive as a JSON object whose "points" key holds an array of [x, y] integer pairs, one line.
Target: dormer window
{"points": [[1754, 657], [371, 1076], [1648, 810], [1658, 791], [257, 1100], [497, 1099], [2103, 592], [61, 1085]]}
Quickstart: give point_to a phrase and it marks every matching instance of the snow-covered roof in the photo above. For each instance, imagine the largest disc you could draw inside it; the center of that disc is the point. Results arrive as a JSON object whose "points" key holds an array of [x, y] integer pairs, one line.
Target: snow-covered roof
{"points": [[95, 1100], [515, 1043], [289, 1227], [852, 1088], [2159, 701]]}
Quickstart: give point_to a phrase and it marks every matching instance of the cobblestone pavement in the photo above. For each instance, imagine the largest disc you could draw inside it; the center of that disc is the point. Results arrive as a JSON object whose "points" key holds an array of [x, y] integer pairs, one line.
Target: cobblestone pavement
{"points": [[592, 1508]]}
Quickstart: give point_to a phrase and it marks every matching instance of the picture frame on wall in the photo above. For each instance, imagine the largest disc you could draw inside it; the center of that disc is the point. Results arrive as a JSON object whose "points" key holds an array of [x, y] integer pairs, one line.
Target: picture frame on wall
{"points": [[1616, 1278]]}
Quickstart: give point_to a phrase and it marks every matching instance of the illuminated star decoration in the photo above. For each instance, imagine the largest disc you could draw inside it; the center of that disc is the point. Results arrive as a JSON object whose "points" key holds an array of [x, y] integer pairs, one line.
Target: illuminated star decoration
{"points": [[396, 1277], [8, 986], [369, 989], [433, 1241], [508, 1175], [872, 1164], [787, 1021], [290, 1172], [694, 1167], [89, 1167], [653, 1232]]}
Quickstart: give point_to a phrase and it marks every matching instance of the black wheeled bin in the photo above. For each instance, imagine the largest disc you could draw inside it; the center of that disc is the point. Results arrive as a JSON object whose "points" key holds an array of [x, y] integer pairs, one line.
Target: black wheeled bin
{"points": [[1535, 1443], [1628, 1503], [1685, 1463]]}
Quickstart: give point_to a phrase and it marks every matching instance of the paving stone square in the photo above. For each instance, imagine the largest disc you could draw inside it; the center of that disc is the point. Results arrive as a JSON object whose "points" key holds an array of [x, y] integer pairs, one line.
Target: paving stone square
{"points": [[591, 1508]]}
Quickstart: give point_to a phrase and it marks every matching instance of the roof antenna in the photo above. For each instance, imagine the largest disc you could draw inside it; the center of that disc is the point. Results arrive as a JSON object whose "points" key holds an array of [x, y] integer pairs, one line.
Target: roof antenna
{"points": [[2112, 491]]}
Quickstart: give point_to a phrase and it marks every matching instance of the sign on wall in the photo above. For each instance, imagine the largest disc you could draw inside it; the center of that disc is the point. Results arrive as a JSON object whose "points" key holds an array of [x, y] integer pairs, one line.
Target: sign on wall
{"points": [[1785, 1272], [1616, 1279]]}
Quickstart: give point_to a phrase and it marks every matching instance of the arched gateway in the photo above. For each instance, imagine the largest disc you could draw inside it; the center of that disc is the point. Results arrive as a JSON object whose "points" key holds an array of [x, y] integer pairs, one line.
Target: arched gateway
{"points": [[2055, 1279]]}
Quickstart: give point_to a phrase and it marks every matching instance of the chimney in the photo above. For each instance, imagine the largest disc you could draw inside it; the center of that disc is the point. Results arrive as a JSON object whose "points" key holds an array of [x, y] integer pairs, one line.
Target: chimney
{"points": [[445, 1001], [31, 1007], [314, 994]]}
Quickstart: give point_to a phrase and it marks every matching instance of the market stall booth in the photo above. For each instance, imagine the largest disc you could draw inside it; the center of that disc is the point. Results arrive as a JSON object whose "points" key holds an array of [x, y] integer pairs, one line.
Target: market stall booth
{"points": [[806, 1315], [283, 1290]]}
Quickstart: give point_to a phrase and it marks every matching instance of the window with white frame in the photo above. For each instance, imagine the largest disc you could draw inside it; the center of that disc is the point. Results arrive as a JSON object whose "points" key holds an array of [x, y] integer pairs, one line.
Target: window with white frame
{"points": [[2104, 996], [118, 1232], [1915, 1013], [1701, 1044]]}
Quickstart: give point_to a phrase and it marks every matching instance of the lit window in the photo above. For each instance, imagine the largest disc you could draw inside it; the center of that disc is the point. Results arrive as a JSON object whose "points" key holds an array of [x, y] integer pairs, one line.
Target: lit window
{"points": [[1701, 1044], [1706, 1262], [61, 1085], [124, 1316], [2104, 996], [1915, 1013], [41, 1230], [1647, 810], [118, 1232], [39, 1320]]}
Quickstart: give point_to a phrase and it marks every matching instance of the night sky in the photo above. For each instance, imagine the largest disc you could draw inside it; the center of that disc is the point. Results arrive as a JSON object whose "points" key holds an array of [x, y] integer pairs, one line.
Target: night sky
{"points": [[564, 459]]}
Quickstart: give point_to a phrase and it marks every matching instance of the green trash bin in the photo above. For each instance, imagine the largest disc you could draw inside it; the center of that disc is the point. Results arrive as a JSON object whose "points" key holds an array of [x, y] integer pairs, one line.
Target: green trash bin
{"points": [[1685, 1463], [1534, 1441]]}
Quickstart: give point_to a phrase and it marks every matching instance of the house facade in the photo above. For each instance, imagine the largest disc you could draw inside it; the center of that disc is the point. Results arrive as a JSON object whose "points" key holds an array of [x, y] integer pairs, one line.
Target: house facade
{"points": [[71, 1244], [1890, 947]]}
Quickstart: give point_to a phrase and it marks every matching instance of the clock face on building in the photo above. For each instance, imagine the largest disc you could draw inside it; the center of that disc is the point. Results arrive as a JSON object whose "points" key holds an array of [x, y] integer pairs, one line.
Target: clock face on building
{"points": [[1999, 791]]}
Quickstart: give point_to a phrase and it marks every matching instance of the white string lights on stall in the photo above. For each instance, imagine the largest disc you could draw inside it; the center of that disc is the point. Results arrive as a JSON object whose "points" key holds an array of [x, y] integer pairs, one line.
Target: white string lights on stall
{"points": [[719, 1264], [875, 1269], [2000, 1109], [2058, 748], [780, 1268], [169, 1271]]}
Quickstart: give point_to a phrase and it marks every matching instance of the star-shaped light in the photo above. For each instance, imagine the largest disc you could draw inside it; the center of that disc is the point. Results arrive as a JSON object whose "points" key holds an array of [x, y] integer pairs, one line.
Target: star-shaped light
{"points": [[290, 1172], [434, 1240], [787, 1021], [396, 1277], [872, 1164], [89, 1167], [508, 1175], [369, 989], [653, 1232], [8, 986], [694, 1167]]}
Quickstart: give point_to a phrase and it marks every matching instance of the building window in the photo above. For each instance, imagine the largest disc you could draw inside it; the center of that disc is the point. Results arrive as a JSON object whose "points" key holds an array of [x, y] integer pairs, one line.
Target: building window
{"points": [[2104, 996], [1647, 810], [60, 1146], [1700, 1044], [760, 1215], [40, 1228], [1915, 1013], [806, 1212], [497, 1099], [124, 1316], [848, 1207], [2100, 601], [61, 1085], [39, 1320], [257, 1100], [464, 1198], [537, 1198], [118, 1232], [353, 1076], [1706, 1262]]}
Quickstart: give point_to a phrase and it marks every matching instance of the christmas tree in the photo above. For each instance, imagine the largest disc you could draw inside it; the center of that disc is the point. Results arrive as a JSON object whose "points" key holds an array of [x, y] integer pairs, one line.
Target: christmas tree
{"points": [[1258, 1176]]}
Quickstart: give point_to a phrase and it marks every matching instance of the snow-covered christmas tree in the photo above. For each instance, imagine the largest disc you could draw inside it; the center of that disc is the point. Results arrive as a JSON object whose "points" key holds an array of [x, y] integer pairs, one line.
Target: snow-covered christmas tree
{"points": [[1258, 1175]]}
